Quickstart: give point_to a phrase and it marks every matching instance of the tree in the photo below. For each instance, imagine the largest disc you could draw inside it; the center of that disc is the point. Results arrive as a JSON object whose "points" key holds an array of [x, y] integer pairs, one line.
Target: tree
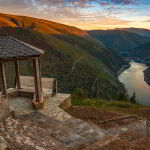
{"points": [[122, 97], [133, 98]]}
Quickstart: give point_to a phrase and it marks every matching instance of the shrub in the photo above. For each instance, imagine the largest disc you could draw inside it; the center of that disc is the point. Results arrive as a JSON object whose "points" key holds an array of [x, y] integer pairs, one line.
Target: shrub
{"points": [[80, 93]]}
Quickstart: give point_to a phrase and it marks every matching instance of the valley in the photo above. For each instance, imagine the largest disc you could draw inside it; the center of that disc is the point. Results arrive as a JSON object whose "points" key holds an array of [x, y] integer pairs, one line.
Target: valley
{"points": [[77, 58], [134, 45], [85, 60], [74, 75], [119, 40], [100, 69], [72, 56]]}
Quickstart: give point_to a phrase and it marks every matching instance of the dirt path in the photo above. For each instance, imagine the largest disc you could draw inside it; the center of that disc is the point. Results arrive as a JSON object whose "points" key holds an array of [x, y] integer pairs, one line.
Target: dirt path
{"points": [[98, 116], [129, 133], [91, 114]]}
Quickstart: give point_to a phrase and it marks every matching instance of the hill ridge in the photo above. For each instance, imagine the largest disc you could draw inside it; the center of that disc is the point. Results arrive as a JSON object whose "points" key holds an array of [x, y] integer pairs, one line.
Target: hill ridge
{"points": [[119, 40], [24, 21]]}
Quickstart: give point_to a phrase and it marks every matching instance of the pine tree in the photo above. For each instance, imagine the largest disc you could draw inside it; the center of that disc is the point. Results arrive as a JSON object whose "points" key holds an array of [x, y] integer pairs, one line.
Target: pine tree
{"points": [[133, 98]]}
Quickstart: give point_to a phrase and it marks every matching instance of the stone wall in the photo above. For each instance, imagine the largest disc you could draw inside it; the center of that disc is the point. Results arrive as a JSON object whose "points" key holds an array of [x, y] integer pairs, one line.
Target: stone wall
{"points": [[66, 104], [148, 128], [4, 108]]}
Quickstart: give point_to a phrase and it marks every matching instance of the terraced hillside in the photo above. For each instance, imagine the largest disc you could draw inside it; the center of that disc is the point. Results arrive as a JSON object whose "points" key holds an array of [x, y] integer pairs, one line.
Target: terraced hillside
{"points": [[75, 58]]}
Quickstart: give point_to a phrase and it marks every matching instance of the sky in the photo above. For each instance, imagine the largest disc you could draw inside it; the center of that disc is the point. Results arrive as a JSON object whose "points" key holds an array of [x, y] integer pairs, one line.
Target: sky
{"points": [[84, 14]]}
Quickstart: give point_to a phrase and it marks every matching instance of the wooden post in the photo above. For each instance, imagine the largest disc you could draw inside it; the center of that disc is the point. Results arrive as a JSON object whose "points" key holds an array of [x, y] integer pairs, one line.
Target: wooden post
{"points": [[3, 80], [17, 75], [37, 79], [147, 128], [40, 74], [54, 87]]}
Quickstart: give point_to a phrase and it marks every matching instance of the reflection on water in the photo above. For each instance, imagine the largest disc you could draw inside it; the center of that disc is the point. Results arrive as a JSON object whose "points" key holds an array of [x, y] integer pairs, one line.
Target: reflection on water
{"points": [[133, 79]]}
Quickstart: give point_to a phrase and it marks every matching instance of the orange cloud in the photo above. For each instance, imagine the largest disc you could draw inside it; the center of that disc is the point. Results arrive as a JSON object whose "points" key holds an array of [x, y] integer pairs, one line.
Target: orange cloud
{"points": [[79, 13]]}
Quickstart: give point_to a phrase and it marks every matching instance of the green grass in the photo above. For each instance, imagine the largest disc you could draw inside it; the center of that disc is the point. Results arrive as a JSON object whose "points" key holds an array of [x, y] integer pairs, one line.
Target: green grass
{"points": [[103, 103], [124, 107]]}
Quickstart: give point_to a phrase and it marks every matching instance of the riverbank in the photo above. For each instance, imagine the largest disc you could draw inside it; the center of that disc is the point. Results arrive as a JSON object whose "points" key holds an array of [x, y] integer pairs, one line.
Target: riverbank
{"points": [[123, 68], [146, 71], [133, 80], [147, 75]]}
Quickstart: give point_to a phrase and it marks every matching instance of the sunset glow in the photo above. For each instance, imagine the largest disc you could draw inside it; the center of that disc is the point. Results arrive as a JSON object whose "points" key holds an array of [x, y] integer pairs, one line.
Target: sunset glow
{"points": [[85, 14]]}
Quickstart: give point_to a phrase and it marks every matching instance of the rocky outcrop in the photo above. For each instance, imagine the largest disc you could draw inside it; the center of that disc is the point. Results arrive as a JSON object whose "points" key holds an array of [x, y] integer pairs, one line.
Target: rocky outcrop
{"points": [[147, 76]]}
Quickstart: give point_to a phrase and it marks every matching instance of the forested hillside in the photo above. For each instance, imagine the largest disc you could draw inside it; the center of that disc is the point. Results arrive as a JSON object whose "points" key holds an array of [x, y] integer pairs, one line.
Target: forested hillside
{"points": [[72, 56], [119, 40]]}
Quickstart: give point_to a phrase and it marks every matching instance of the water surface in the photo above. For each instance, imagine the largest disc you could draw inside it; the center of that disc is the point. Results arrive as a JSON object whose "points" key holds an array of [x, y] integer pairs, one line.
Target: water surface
{"points": [[133, 79]]}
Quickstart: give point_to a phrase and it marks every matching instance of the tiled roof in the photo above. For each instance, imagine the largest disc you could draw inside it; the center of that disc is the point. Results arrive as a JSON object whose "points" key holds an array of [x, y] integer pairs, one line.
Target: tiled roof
{"points": [[11, 48]]}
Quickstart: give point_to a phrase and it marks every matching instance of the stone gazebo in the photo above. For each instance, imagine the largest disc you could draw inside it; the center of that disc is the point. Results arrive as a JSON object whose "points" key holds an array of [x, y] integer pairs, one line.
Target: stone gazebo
{"points": [[14, 50]]}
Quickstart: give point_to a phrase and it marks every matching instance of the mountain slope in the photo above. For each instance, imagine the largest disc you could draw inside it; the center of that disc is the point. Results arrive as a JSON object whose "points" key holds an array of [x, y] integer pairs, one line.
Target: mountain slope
{"points": [[122, 41], [75, 58], [140, 31], [142, 51], [40, 25]]}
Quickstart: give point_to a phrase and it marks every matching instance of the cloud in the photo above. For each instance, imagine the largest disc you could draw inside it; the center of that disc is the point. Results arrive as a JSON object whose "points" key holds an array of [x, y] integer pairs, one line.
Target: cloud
{"points": [[147, 20], [103, 3], [83, 3], [63, 3], [126, 2], [80, 13], [15, 3]]}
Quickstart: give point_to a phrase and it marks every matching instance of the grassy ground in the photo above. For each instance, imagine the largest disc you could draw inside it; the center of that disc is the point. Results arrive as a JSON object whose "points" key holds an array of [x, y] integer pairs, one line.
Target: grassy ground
{"points": [[124, 107]]}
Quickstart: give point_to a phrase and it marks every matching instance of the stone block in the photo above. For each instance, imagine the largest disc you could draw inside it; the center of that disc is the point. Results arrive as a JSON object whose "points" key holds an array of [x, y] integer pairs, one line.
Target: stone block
{"points": [[37, 105], [66, 104]]}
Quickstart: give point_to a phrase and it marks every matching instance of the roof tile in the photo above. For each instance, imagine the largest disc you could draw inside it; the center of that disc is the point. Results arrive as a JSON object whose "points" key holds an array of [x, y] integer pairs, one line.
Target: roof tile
{"points": [[12, 48]]}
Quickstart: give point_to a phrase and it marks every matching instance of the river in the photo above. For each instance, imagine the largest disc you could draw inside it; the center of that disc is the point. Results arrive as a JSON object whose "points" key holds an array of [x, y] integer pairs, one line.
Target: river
{"points": [[133, 79]]}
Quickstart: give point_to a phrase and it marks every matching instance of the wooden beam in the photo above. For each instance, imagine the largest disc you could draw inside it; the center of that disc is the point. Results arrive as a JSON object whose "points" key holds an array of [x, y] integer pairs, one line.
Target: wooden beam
{"points": [[37, 79], [3, 80], [18, 85], [19, 58]]}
